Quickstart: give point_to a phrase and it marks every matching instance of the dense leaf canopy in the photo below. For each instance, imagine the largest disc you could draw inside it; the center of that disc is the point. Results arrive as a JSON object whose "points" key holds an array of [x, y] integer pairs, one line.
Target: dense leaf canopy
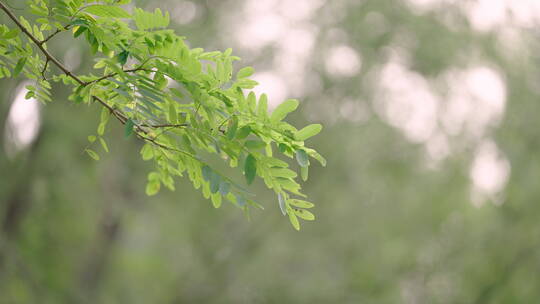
{"points": [[188, 105]]}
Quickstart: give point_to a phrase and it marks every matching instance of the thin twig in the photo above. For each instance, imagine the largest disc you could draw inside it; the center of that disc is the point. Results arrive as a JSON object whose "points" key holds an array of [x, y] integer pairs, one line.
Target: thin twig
{"points": [[115, 74], [58, 31], [167, 126], [45, 69]]}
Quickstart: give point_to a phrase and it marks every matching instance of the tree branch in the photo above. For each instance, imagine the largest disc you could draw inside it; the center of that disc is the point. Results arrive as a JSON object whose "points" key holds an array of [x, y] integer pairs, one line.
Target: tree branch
{"points": [[39, 45], [45, 69], [49, 57]]}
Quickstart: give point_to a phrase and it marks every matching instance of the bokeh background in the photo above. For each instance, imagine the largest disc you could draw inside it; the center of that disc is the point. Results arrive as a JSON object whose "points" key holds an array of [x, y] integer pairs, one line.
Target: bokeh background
{"points": [[431, 193]]}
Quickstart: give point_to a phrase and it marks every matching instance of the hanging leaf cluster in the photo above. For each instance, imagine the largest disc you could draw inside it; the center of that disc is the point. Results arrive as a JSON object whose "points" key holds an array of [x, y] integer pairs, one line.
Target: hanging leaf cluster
{"points": [[189, 106]]}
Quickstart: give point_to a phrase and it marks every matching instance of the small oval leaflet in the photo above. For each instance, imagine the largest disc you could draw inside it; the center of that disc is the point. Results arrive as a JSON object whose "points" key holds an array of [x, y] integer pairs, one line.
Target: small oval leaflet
{"points": [[245, 72], [282, 204], [250, 168], [301, 203], [308, 132], [281, 111], [304, 214], [294, 221], [302, 158], [92, 154]]}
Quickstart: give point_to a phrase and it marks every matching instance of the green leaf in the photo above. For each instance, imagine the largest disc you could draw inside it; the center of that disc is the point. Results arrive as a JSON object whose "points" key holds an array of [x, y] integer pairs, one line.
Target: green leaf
{"points": [[301, 204], [317, 156], [123, 57], [288, 184], [216, 200], [19, 67], [282, 204], [302, 158], [147, 152], [246, 83], [308, 132], [128, 128], [243, 132], [275, 162], [252, 101], [281, 111], [294, 220], [304, 173], [152, 187], [79, 31], [104, 118], [29, 94], [254, 145], [109, 11], [231, 132], [173, 115], [154, 184], [262, 107], [215, 179], [147, 20], [12, 33], [250, 168], [304, 214], [103, 144], [91, 138], [92, 154], [283, 172], [245, 72]]}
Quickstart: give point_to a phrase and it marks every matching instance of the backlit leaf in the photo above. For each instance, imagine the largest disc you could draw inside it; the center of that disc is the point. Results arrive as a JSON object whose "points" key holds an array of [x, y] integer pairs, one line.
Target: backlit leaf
{"points": [[92, 154], [107, 11], [282, 204], [245, 72], [281, 111], [304, 214], [301, 203], [294, 220], [308, 132]]}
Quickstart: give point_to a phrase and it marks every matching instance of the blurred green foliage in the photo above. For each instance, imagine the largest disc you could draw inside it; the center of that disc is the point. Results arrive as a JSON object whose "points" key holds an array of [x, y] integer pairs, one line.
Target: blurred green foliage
{"points": [[390, 228]]}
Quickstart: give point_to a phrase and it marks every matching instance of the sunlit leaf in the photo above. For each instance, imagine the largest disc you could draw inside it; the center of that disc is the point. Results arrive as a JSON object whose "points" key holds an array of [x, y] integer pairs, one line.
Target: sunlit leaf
{"points": [[107, 11], [301, 203], [281, 111], [308, 132], [92, 154], [304, 214], [245, 72], [294, 220]]}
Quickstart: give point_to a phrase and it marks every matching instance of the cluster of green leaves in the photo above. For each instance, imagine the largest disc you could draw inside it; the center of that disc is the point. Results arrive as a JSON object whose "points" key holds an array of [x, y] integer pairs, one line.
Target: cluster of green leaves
{"points": [[188, 105]]}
